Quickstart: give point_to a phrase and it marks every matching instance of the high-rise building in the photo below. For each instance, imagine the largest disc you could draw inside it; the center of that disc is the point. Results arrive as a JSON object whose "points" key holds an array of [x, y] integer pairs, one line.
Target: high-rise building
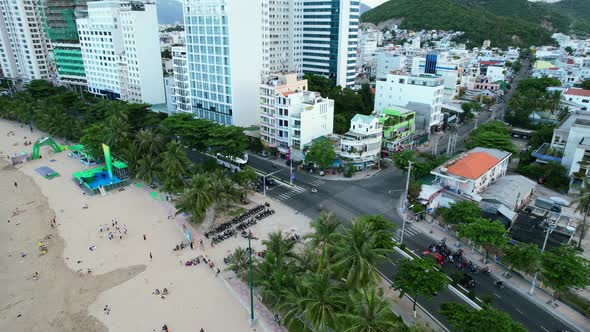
{"points": [[224, 52], [121, 51], [330, 38], [59, 21], [282, 36], [23, 51], [180, 90], [422, 94]]}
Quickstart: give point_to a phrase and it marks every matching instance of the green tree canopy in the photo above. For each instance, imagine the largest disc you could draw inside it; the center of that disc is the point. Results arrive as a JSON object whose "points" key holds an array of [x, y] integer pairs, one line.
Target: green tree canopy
{"points": [[562, 268], [484, 232], [460, 212], [494, 135], [586, 84], [466, 319], [383, 230], [418, 277], [523, 256], [321, 153]]}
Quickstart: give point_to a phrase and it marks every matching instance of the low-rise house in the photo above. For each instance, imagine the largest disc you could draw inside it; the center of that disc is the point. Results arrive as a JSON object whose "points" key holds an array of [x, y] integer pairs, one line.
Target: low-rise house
{"points": [[471, 172], [361, 145], [507, 195], [577, 97], [398, 125]]}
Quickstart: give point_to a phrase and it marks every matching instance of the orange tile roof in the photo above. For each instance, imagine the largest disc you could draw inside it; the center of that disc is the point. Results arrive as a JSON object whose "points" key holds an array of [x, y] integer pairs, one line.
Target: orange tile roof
{"points": [[287, 93], [577, 92], [473, 165]]}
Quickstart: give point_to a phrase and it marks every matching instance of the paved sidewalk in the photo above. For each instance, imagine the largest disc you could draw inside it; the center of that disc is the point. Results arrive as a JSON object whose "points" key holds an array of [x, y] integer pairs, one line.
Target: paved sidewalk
{"points": [[520, 284]]}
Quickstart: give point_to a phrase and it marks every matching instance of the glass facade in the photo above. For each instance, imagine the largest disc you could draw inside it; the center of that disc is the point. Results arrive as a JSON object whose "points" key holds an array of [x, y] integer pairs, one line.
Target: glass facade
{"points": [[207, 41]]}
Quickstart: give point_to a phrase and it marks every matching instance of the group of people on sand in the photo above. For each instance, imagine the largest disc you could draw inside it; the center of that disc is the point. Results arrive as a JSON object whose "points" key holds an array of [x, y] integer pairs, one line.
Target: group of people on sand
{"points": [[161, 294], [113, 230]]}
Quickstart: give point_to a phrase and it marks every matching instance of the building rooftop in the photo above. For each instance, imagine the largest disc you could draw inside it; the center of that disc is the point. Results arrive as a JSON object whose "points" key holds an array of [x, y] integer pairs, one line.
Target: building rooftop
{"points": [[473, 165], [577, 92], [364, 118], [508, 190]]}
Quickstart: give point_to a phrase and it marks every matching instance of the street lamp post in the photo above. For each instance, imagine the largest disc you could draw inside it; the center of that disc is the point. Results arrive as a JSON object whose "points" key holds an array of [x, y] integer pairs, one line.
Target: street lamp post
{"points": [[534, 283], [264, 181], [251, 286], [405, 210]]}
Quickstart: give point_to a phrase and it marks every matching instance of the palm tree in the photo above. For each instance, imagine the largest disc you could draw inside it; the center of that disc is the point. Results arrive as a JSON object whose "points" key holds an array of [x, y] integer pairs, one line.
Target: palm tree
{"points": [[196, 199], [318, 300], [149, 142], [117, 130], [175, 163], [356, 254], [280, 246], [583, 207], [132, 156], [324, 236], [148, 168], [274, 279], [238, 262], [369, 312]]}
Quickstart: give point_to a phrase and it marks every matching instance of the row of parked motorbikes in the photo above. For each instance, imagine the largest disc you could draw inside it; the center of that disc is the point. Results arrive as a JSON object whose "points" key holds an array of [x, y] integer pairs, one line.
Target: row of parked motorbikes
{"points": [[255, 215], [236, 220], [441, 253]]}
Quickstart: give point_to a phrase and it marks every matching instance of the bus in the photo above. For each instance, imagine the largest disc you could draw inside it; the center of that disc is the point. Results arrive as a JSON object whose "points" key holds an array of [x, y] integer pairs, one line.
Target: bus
{"points": [[234, 164]]}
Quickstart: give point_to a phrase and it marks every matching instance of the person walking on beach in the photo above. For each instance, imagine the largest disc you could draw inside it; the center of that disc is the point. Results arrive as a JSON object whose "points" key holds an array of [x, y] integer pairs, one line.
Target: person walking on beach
{"points": [[15, 184], [144, 237], [151, 256]]}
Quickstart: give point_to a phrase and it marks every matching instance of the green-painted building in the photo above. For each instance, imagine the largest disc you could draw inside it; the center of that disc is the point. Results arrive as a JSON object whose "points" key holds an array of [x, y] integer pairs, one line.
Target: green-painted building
{"points": [[398, 125], [59, 20]]}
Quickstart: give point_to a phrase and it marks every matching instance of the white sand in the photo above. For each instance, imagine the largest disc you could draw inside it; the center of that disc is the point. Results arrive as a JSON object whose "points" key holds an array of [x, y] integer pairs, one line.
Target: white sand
{"points": [[197, 299]]}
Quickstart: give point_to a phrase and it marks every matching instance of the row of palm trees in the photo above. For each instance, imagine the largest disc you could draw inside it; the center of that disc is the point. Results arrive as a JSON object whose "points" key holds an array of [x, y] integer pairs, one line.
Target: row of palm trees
{"points": [[329, 283]]}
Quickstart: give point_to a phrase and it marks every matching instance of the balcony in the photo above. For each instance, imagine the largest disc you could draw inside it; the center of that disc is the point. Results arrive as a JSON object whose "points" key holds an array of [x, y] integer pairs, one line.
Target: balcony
{"points": [[545, 154]]}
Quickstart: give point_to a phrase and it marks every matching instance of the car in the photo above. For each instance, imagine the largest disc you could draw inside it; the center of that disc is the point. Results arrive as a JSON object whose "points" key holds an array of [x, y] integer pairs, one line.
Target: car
{"points": [[269, 181], [263, 154]]}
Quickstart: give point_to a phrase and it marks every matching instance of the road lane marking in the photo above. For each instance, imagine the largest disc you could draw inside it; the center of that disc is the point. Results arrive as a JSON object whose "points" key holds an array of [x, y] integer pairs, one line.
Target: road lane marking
{"points": [[543, 327], [520, 312], [498, 296]]}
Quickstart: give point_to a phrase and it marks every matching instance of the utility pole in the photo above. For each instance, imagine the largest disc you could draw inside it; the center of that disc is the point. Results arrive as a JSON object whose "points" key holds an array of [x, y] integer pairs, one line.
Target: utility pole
{"points": [[476, 118], [251, 286], [449, 144], [435, 146], [405, 209], [534, 283]]}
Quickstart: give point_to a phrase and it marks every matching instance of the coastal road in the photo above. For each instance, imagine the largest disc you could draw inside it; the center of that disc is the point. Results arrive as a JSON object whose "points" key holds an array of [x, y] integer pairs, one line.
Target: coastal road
{"points": [[380, 194]]}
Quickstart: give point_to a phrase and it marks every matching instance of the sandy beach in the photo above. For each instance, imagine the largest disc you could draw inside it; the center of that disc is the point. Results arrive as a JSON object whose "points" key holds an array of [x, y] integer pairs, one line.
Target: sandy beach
{"points": [[66, 296]]}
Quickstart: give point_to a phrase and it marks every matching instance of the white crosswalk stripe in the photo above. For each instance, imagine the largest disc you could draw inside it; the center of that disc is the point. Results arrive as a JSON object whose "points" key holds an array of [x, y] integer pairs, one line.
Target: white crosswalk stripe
{"points": [[408, 231], [294, 191], [318, 182]]}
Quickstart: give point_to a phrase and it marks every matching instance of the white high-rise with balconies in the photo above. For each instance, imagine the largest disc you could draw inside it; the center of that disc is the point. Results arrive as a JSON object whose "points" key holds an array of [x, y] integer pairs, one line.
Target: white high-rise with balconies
{"points": [[180, 88], [23, 52], [330, 39], [420, 93], [121, 51]]}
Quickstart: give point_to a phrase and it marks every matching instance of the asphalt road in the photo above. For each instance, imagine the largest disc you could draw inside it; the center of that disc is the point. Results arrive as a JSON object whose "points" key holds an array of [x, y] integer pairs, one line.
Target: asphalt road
{"points": [[380, 194]]}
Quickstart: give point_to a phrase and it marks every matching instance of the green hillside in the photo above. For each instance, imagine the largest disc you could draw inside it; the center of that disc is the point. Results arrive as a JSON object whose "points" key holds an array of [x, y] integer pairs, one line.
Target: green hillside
{"points": [[478, 22], [532, 12], [578, 11]]}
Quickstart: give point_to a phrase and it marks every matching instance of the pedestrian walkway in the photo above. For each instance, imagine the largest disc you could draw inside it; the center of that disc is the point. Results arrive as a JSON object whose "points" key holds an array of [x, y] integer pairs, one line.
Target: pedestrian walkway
{"points": [[318, 182], [409, 231], [541, 296], [294, 191]]}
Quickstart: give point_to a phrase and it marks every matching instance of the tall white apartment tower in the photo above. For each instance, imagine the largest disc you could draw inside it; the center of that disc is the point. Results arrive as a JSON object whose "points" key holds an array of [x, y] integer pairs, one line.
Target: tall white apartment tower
{"points": [[282, 36], [330, 39], [121, 51], [224, 54], [23, 52]]}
